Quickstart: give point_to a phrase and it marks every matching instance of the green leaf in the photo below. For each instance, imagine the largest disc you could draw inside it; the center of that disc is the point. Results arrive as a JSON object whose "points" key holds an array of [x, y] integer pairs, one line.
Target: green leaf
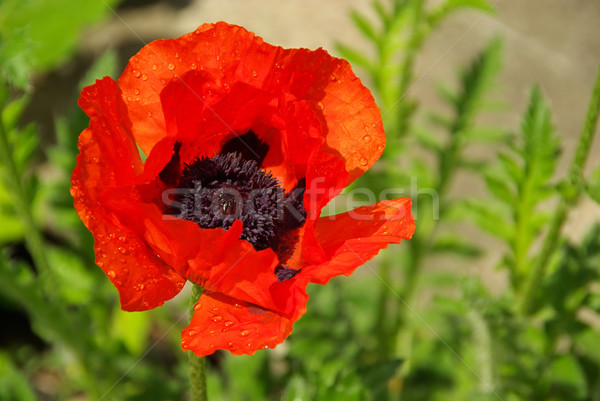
{"points": [[133, 328], [499, 187], [455, 244], [442, 11], [39, 34], [567, 372], [104, 66], [14, 385], [364, 26], [354, 56], [77, 283], [593, 185]]}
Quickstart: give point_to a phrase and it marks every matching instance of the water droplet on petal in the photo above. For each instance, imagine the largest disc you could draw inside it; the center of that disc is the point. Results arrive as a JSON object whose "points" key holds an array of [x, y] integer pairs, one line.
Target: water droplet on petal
{"points": [[228, 323], [215, 309], [111, 274], [363, 161], [122, 250], [136, 73], [154, 67], [192, 332], [164, 82], [176, 55], [149, 114], [140, 287], [321, 105], [254, 74], [244, 333], [230, 344], [171, 66], [193, 66], [144, 77], [198, 306], [224, 329], [367, 138], [332, 77], [217, 319], [137, 92], [238, 306]]}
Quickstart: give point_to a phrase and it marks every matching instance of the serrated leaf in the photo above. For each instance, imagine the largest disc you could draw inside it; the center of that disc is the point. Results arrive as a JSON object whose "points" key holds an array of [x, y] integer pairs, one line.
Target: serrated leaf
{"points": [[499, 187], [455, 244], [354, 56], [593, 185], [443, 10], [489, 217], [365, 26], [103, 66], [427, 139]]}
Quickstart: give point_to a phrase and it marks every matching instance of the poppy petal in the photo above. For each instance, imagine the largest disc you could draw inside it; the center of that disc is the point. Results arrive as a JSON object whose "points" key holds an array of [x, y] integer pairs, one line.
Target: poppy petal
{"points": [[222, 322], [350, 239], [106, 148]]}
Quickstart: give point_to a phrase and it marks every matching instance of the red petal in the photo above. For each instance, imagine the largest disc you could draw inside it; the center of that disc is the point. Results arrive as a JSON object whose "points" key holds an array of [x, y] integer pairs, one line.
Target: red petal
{"points": [[109, 158], [225, 53], [350, 239], [353, 126], [221, 322]]}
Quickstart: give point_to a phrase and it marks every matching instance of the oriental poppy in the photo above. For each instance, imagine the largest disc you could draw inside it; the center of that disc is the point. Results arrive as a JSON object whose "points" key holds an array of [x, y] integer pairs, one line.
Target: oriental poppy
{"points": [[246, 142]]}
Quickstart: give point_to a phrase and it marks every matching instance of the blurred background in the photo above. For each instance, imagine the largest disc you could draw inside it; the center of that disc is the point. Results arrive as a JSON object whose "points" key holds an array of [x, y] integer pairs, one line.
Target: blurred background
{"points": [[342, 349]]}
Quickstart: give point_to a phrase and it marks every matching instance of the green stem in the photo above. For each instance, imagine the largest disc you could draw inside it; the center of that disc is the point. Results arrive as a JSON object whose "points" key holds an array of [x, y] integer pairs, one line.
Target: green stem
{"points": [[197, 364], [575, 180], [22, 205]]}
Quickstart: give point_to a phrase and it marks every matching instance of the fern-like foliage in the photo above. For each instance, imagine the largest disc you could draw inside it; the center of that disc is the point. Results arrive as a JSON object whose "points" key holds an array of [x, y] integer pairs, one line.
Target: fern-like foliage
{"points": [[519, 182]]}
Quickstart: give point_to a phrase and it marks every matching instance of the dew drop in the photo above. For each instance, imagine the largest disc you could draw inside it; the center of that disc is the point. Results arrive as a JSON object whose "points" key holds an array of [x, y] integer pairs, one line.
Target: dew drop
{"points": [[238, 306], [230, 344], [176, 55], [154, 67], [193, 66], [122, 238], [144, 77], [111, 274], [122, 250], [171, 66], [212, 333], [332, 77], [367, 138], [244, 333], [321, 106], [226, 86], [249, 345], [149, 114], [164, 82], [363, 161], [215, 309], [217, 318], [136, 73], [140, 287], [254, 74], [137, 92], [198, 306], [136, 59], [224, 329], [228, 323], [192, 332]]}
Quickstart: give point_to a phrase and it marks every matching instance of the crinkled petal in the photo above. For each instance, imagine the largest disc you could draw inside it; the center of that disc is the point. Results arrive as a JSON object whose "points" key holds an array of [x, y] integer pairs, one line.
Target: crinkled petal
{"points": [[222, 322], [350, 239], [109, 158]]}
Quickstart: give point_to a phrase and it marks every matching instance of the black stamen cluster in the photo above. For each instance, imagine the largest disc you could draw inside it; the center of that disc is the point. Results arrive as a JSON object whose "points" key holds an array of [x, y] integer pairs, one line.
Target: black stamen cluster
{"points": [[218, 190]]}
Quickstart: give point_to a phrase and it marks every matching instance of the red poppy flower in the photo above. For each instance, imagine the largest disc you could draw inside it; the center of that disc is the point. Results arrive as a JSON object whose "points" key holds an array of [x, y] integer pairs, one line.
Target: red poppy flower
{"points": [[245, 143]]}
